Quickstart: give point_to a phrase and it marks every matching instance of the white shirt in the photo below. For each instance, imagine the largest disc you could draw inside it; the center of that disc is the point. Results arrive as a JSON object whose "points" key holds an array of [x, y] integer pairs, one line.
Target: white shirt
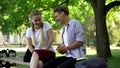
{"points": [[65, 38], [29, 34]]}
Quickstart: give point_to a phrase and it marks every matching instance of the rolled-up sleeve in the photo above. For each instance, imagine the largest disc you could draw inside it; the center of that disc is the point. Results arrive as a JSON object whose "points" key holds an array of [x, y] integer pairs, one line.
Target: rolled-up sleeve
{"points": [[79, 32]]}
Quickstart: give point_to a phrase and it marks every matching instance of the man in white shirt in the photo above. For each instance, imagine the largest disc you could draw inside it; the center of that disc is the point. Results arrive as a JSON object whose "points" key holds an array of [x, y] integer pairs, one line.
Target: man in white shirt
{"points": [[73, 41]]}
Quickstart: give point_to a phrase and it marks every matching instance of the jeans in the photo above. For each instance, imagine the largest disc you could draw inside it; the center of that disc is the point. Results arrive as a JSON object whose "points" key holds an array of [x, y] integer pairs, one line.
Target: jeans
{"points": [[60, 62]]}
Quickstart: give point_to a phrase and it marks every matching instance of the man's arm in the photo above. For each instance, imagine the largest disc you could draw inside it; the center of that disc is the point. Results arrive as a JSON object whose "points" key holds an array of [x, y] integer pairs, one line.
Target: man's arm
{"points": [[63, 49]]}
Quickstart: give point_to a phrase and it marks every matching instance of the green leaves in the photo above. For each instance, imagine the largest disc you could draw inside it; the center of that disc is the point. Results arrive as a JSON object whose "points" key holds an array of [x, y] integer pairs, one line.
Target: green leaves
{"points": [[15, 13]]}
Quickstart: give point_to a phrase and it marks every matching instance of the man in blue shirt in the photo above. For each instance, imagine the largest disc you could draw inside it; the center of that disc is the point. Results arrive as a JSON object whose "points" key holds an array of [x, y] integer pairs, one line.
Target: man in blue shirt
{"points": [[73, 41]]}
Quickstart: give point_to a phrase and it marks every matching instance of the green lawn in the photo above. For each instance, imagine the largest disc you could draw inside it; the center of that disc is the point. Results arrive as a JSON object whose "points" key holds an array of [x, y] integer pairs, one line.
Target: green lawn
{"points": [[114, 62]]}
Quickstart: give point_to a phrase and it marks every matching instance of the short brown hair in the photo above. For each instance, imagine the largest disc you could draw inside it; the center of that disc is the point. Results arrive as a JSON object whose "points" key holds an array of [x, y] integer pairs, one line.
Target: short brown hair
{"points": [[62, 9]]}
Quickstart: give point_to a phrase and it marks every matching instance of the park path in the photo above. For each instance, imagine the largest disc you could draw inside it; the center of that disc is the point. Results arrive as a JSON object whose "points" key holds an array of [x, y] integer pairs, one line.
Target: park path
{"points": [[23, 49]]}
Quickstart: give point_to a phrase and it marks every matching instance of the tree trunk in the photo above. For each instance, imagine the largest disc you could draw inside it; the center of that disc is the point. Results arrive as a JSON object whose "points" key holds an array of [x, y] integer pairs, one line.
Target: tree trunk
{"points": [[102, 39], [20, 38]]}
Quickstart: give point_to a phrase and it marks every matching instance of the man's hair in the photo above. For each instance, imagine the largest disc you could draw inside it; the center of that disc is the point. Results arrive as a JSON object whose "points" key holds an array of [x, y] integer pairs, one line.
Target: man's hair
{"points": [[62, 9]]}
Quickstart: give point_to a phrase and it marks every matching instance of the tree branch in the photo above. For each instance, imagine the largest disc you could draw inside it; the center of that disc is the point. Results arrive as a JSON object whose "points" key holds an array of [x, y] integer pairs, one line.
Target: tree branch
{"points": [[111, 5], [94, 4], [67, 1]]}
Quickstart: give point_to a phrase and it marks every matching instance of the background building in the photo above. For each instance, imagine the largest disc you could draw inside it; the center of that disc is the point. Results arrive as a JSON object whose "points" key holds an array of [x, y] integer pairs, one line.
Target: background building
{"points": [[13, 39]]}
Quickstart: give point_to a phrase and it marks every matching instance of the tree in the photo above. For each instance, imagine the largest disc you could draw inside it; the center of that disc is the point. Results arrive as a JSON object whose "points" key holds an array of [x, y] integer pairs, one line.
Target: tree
{"points": [[14, 14], [102, 39], [113, 25]]}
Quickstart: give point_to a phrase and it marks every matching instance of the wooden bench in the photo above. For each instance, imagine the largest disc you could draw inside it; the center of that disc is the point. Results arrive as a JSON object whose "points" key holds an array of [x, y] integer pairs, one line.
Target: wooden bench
{"points": [[17, 60], [12, 60]]}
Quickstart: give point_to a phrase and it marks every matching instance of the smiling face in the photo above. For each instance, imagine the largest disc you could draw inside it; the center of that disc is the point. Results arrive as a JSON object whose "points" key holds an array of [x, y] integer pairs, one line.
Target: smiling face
{"points": [[37, 21], [59, 16]]}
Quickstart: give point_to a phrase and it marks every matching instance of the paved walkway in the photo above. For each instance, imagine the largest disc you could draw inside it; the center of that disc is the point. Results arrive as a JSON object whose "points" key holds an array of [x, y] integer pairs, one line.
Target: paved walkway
{"points": [[23, 49]]}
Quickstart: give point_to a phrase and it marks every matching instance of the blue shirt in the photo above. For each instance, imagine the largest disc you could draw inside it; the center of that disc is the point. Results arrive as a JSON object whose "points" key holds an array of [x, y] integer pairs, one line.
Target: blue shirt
{"points": [[75, 32]]}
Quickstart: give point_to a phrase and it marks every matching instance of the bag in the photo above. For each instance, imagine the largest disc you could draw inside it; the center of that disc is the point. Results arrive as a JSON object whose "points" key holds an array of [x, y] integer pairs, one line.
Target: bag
{"points": [[7, 53], [27, 56], [96, 62]]}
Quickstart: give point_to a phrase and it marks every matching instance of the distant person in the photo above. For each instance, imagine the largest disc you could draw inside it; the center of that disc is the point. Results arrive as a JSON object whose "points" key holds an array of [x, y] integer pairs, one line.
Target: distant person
{"points": [[4, 43], [40, 35], [73, 41], [118, 43]]}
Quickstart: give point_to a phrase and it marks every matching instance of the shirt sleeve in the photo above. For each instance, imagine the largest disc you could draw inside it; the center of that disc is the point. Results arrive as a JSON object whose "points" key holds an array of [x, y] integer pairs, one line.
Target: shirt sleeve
{"points": [[47, 26], [28, 33], [79, 31]]}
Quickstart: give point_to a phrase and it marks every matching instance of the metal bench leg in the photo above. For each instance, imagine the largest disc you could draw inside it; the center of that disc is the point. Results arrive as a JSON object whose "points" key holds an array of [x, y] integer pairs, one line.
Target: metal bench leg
{"points": [[7, 64]]}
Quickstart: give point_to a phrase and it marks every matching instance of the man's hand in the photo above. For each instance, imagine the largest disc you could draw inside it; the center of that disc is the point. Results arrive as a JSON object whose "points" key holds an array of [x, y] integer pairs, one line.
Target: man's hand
{"points": [[61, 49]]}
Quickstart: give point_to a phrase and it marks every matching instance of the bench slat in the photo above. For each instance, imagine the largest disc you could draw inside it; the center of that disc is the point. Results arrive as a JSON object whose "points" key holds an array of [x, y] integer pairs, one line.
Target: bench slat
{"points": [[15, 60]]}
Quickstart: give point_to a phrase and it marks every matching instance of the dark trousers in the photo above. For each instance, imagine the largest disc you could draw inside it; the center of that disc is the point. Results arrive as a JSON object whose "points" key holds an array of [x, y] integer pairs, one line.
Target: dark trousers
{"points": [[60, 62]]}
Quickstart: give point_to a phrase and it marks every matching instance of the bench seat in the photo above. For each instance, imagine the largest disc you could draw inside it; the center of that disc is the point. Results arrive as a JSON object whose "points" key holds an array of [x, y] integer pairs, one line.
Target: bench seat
{"points": [[16, 60]]}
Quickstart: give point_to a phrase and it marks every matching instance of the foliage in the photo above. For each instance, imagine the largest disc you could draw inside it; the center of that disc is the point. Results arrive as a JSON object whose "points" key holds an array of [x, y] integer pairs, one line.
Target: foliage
{"points": [[14, 16], [101, 8], [113, 23], [18, 11]]}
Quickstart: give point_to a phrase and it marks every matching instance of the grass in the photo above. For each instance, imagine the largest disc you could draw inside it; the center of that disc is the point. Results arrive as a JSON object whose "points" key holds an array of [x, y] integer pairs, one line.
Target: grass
{"points": [[112, 62]]}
